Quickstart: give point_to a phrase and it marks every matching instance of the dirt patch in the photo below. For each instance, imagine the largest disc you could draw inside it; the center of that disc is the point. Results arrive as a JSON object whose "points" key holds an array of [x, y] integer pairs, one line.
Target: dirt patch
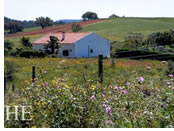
{"points": [[66, 28]]}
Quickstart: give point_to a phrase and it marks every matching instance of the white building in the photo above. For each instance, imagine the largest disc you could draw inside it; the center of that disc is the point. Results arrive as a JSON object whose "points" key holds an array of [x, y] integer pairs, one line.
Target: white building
{"points": [[77, 45]]}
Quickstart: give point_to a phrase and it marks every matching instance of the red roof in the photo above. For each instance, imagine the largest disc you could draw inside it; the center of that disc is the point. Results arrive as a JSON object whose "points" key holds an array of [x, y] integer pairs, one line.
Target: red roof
{"points": [[70, 38]]}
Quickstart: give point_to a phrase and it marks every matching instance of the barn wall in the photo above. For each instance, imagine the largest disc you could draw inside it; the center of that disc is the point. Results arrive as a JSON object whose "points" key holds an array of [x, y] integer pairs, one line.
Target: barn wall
{"points": [[93, 42], [69, 47]]}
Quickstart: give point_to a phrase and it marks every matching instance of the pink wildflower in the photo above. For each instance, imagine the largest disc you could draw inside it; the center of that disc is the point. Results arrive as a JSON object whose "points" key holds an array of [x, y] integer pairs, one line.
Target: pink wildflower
{"points": [[116, 87], [141, 79], [124, 91]]}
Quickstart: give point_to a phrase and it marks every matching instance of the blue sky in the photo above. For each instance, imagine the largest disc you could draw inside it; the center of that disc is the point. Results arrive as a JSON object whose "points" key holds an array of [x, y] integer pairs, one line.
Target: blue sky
{"points": [[73, 9]]}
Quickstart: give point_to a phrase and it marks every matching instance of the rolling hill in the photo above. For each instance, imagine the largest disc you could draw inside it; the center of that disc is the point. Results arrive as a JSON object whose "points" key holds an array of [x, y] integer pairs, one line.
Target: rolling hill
{"points": [[117, 29]]}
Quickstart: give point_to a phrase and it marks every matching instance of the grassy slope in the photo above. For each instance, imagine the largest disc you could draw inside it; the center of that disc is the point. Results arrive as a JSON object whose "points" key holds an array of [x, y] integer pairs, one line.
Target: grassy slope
{"points": [[117, 29]]}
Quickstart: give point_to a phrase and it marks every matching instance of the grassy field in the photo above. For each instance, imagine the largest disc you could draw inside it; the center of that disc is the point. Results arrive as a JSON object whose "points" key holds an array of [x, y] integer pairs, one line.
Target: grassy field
{"points": [[118, 29], [66, 93], [18, 44]]}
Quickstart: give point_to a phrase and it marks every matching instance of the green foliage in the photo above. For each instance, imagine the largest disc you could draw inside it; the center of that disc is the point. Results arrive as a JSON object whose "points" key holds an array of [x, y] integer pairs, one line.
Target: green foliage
{"points": [[25, 24], [89, 16], [76, 27], [31, 53], [13, 26], [161, 39], [26, 42], [134, 40], [44, 22], [8, 46], [53, 44]]}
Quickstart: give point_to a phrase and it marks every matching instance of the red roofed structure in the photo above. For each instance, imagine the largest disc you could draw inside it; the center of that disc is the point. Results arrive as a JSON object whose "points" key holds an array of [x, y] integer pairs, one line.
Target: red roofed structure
{"points": [[76, 45], [69, 38]]}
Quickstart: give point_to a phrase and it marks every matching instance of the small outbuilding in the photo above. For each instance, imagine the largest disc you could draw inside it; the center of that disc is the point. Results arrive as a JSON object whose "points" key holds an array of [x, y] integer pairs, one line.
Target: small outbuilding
{"points": [[76, 45]]}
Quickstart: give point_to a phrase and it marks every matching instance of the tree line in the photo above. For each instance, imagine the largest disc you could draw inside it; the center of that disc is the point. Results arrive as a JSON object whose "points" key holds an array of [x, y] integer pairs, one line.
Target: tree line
{"points": [[17, 26]]}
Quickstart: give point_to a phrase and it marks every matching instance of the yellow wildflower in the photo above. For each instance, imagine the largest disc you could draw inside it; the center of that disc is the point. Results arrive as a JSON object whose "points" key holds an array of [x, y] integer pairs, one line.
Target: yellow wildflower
{"points": [[44, 103], [37, 103], [93, 87], [66, 85], [54, 82]]}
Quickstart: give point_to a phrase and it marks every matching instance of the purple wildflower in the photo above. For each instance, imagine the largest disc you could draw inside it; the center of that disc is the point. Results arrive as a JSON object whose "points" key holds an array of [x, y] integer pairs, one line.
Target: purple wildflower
{"points": [[170, 75], [104, 105], [108, 110], [116, 87], [168, 83], [93, 98], [141, 79], [124, 91], [103, 94]]}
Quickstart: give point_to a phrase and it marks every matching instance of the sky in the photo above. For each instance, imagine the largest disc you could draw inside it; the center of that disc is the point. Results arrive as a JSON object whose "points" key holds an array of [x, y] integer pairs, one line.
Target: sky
{"points": [[73, 9]]}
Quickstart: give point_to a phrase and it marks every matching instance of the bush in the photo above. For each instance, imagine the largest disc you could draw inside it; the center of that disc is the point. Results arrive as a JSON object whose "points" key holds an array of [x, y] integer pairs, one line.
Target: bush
{"points": [[134, 40], [124, 52], [30, 53], [26, 42], [8, 47], [76, 27]]}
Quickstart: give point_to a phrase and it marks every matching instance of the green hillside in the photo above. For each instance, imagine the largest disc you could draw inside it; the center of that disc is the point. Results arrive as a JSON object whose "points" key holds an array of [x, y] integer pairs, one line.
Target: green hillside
{"points": [[117, 29]]}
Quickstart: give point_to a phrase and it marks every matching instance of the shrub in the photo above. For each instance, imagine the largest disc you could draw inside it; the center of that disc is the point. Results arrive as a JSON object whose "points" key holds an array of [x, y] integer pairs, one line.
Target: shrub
{"points": [[31, 53], [124, 52], [26, 42], [8, 47], [76, 27], [134, 40]]}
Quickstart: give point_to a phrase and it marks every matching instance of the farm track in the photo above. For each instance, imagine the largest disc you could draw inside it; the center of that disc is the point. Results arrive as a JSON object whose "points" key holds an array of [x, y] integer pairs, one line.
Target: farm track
{"points": [[66, 28]]}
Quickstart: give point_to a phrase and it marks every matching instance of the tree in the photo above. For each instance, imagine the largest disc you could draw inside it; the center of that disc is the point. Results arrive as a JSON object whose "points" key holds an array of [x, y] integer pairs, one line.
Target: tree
{"points": [[113, 16], [13, 26], [53, 44], [44, 22], [26, 41], [89, 16], [160, 39], [8, 46], [76, 27]]}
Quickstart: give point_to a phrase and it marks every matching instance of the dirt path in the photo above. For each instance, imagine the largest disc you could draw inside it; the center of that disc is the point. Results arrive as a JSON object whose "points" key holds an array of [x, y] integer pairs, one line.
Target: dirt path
{"points": [[66, 28]]}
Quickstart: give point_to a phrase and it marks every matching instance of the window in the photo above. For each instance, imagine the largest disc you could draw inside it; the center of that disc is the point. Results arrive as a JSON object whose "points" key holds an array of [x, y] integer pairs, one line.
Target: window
{"points": [[65, 52], [91, 51]]}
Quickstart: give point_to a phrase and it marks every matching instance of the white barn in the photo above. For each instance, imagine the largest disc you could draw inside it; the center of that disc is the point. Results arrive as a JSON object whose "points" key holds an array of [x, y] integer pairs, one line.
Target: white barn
{"points": [[77, 45]]}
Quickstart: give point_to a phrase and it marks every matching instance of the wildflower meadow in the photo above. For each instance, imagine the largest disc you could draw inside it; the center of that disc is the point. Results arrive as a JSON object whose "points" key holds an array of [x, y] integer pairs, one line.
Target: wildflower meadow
{"points": [[66, 93]]}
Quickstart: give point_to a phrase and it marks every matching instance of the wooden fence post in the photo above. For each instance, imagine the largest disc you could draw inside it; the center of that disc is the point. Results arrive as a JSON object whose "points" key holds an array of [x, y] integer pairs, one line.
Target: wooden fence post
{"points": [[100, 64], [5, 83], [13, 87], [33, 73]]}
